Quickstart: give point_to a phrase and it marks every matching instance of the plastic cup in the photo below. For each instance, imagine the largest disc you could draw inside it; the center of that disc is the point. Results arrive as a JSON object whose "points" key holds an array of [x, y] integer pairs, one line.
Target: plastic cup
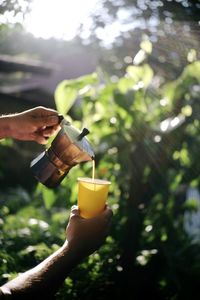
{"points": [[92, 196]]}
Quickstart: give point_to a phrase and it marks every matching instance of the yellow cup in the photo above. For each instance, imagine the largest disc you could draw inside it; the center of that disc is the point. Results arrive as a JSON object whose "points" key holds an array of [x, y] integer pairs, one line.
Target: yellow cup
{"points": [[92, 196]]}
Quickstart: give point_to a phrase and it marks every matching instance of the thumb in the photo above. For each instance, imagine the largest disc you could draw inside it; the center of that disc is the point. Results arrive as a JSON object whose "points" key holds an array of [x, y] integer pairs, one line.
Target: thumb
{"points": [[74, 211]]}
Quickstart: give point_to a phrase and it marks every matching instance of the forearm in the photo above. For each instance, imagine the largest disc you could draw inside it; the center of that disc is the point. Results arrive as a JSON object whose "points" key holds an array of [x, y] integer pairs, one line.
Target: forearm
{"points": [[5, 130], [44, 280]]}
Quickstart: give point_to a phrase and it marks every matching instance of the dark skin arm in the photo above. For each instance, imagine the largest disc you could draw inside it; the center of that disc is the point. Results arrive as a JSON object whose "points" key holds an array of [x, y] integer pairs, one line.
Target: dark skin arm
{"points": [[84, 236]]}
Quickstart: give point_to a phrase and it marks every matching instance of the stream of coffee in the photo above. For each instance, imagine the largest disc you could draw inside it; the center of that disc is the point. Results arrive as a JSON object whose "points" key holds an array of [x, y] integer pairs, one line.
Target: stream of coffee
{"points": [[93, 169]]}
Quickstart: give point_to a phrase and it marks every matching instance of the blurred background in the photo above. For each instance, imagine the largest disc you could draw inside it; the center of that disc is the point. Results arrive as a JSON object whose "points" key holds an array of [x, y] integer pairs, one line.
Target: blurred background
{"points": [[129, 71]]}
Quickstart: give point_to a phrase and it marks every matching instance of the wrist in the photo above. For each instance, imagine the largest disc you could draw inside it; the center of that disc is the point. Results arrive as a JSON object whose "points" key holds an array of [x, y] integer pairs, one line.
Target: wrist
{"points": [[72, 252]]}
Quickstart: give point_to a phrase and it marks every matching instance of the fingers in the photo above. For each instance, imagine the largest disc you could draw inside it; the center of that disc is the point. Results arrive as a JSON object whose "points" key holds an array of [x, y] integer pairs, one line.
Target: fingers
{"points": [[41, 136], [105, 215], [40, 139], [107, 212], [43, 116], [47, 121], [49, 131], [74, 208], [74, 211]]}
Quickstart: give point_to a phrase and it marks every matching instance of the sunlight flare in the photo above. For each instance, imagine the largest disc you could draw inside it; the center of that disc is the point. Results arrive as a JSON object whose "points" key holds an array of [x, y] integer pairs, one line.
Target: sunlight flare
{"points": [[58, 18]]}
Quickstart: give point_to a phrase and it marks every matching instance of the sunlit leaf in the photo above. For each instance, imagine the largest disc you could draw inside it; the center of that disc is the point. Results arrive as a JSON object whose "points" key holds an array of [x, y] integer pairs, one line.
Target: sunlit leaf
{"points": [[147, 74], [184, 157], [192, 204], [146, 45], [187, 110], [124, 84], [176, 181], [68, 90], [192, 71], [139, 57], [6, 142], [65, 96], [143, 73], [192, 55], [48, 197]]}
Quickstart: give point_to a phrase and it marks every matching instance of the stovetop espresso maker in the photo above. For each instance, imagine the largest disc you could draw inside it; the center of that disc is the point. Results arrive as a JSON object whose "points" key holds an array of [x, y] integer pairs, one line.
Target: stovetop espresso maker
{"points": [[69, 148]]}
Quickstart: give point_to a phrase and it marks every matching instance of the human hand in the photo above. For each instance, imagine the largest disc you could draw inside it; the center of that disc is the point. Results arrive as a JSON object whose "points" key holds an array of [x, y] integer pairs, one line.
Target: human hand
{"points": [[84, 236], [36, 124]]}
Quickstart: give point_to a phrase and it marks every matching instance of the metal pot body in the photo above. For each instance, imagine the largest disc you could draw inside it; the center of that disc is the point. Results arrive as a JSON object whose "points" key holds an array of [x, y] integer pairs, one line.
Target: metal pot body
{"points": [[68, 149]]}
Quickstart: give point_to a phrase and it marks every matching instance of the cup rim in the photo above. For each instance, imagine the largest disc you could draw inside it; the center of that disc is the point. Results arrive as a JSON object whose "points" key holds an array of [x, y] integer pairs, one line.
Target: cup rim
{"points": [[93, 181]]}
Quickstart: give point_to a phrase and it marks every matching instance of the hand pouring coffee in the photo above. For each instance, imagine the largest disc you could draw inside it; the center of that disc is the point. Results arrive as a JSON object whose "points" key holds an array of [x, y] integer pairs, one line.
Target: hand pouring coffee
{"points": [[69, 148]]}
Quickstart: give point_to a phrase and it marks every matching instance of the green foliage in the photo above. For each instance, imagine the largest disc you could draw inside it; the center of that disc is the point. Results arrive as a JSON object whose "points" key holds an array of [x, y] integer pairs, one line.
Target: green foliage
{"points": [[147, 164], [47, 194], [146, 142], [68, 90]]}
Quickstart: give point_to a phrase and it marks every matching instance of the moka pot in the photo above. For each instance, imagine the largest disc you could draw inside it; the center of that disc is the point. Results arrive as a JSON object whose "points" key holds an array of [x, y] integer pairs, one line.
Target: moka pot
{"points": [[69, 148]]}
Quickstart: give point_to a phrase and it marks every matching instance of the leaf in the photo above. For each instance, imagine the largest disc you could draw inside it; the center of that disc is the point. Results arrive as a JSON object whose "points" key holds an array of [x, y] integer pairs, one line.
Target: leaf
{"points": [[146, 45], [139, 57], [187, 110], [65, 96], [140, 73], [148, 74], [192, 55], [125, 84], [48, 197], [176, 89], [67, 91], [192, 70]]}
